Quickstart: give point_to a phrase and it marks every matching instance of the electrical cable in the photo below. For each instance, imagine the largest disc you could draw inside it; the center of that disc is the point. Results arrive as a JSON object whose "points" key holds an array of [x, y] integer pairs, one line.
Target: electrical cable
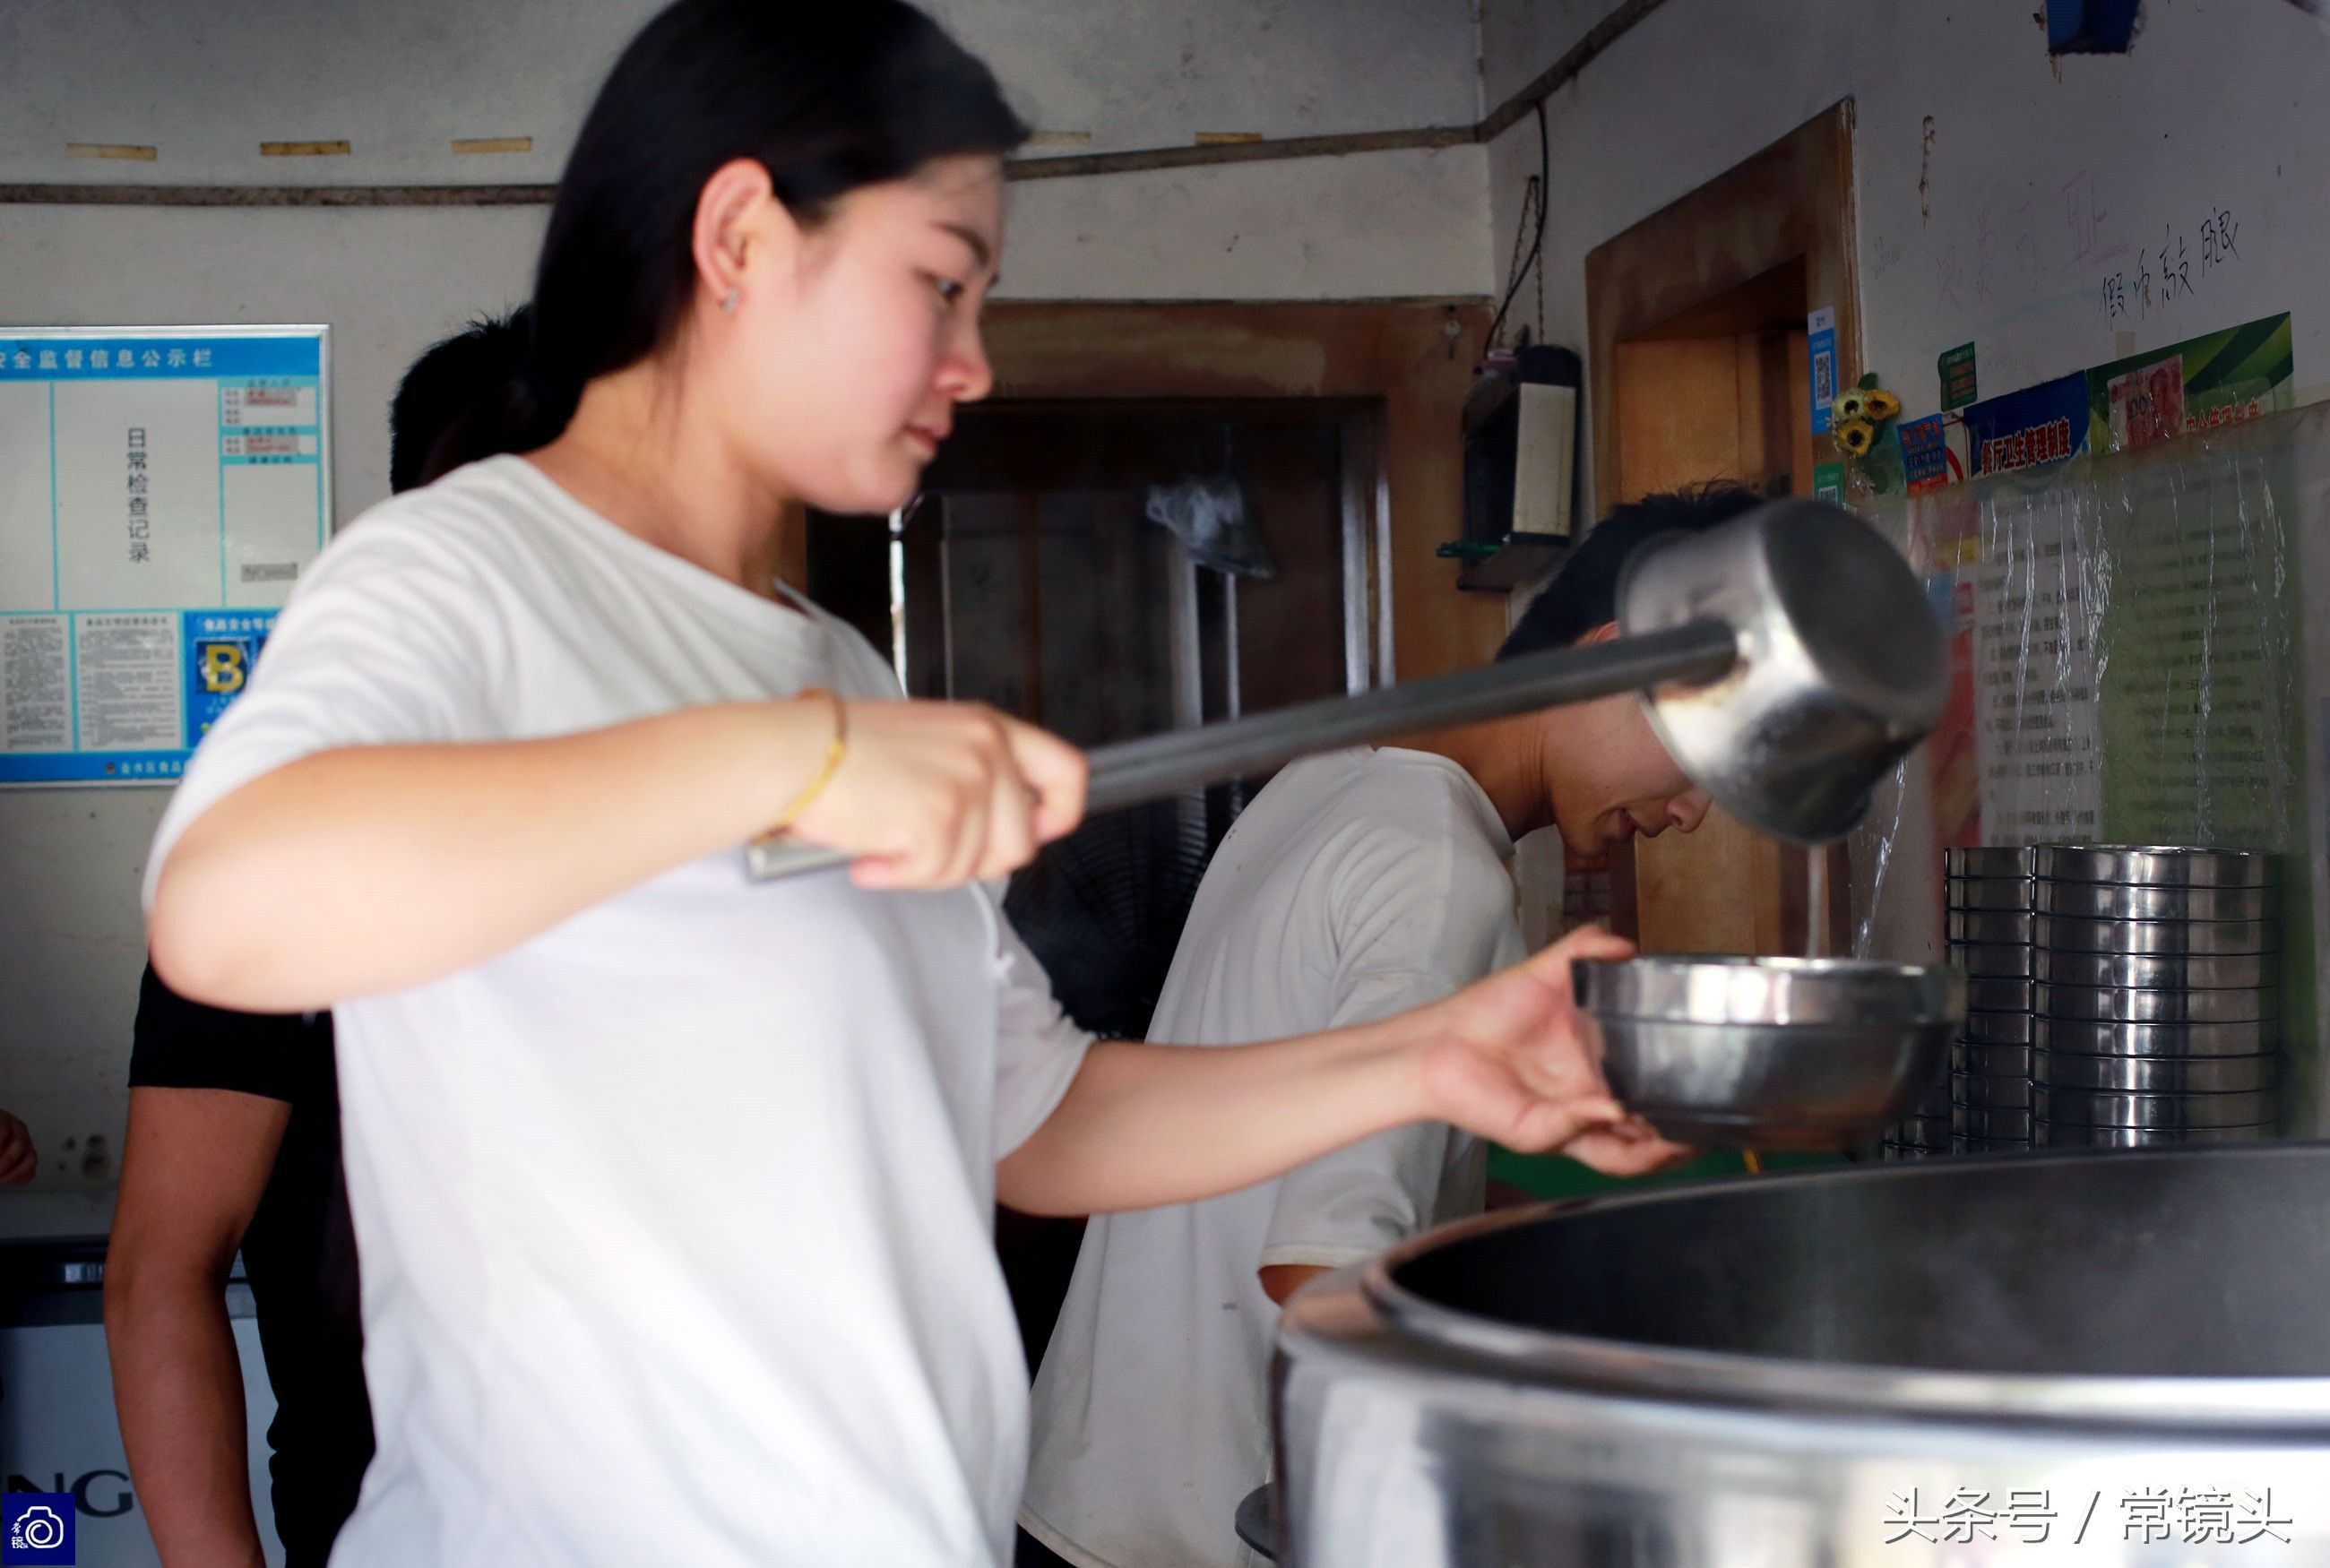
{"points": [[1539, 187]]}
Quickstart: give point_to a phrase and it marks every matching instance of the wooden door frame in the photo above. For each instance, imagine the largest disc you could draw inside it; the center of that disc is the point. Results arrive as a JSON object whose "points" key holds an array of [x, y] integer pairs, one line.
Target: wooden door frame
{"points": [[1408, 358], [1793, 199]]}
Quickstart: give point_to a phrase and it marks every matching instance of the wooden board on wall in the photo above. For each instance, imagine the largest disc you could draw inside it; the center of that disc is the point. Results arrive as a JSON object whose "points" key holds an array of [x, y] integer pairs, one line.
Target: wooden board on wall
{"points": [[1793, 201]]}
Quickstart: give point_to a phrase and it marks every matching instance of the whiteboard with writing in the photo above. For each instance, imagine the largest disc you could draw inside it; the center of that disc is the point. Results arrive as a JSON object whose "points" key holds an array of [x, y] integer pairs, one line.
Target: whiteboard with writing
{"points": [[161, 490]]}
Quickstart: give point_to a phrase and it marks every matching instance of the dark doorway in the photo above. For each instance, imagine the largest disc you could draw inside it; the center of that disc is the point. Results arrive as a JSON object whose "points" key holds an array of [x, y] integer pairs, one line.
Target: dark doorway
{"points": [[1029, 575]]}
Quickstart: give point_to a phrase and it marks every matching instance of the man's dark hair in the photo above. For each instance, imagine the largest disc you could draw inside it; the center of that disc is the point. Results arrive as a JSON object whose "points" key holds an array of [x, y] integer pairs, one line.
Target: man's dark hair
{"points": [[1584, 593], [449, 408]]}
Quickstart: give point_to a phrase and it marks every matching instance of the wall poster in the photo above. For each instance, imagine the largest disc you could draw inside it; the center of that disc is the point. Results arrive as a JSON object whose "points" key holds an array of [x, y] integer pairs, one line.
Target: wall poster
{"points": [[161, 490]]}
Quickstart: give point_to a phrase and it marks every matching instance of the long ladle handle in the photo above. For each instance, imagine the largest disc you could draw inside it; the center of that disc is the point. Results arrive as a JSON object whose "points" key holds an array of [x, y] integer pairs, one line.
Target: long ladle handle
{"points": [[1158, 766]]}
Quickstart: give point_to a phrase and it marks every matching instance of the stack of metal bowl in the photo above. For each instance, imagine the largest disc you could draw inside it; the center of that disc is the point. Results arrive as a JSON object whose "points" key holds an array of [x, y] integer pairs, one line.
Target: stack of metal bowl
{"points": [[1925, 1132], [1989, 936], [2155, 985]]}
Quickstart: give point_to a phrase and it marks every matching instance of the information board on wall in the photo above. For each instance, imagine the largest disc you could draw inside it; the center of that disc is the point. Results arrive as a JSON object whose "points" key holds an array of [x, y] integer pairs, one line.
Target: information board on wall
{"points": [[2136, 662], [161, 491]]}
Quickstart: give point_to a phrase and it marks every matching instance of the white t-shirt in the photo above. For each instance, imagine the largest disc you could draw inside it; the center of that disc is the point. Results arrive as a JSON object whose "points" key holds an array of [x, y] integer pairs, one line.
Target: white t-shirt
{"points": [[675, 1220], [1357, 885]]}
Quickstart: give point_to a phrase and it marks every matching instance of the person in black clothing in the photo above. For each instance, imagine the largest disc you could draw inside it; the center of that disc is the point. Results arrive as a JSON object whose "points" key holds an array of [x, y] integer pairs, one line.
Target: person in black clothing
{"points": [[234, 1143]]}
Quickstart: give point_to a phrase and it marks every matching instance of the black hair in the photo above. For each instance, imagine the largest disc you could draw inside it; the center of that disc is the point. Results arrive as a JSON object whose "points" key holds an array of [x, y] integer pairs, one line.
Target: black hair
{"points": [[1584, 592], [826, 98], [458, 401]]}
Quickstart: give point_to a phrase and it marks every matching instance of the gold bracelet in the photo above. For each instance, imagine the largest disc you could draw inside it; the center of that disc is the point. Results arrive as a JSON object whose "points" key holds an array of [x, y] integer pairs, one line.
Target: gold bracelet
{"points": [[835, 750]]}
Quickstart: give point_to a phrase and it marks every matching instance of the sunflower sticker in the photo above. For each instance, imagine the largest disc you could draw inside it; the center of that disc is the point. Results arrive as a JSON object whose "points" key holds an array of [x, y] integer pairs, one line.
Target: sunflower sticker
{"points": [[1861, 426]]}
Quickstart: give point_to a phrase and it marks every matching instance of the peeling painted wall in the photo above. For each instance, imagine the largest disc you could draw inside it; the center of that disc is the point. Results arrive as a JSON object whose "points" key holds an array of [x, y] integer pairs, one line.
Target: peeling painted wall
{"points": [[2042, 179]]}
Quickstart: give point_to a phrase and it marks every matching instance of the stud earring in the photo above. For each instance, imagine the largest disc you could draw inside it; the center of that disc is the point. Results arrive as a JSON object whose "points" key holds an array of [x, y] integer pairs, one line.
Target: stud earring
{"points": [[733, 299]]}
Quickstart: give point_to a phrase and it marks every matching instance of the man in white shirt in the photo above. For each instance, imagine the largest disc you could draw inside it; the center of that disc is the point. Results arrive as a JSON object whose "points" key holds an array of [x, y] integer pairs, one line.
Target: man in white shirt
{"points": [[1358, 885]]}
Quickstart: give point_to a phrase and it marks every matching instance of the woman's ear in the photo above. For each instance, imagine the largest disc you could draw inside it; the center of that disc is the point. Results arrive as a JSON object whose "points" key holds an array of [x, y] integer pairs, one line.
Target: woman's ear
{"points": [[738, 219]]}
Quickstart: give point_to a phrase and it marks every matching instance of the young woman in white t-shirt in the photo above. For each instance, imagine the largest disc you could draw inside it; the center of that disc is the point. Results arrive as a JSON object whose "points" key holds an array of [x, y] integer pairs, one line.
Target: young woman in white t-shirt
{"points": [[672, 1191]]}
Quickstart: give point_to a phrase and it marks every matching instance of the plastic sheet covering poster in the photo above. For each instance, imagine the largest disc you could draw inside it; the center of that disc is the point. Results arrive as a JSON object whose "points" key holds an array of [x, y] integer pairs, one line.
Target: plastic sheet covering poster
{"points": [[2242, 373], [161, 490], [2140, 670], [2136, 658]]}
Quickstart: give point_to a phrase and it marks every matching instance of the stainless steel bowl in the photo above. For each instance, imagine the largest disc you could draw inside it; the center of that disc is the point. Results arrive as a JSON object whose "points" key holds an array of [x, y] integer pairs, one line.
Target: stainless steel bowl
{"points": [[1990, 859], [1997, 1028], [1979, 1146], [1983, 1091], [1991, 1061], [2104, 1001], [1998, 995], [2003, 1123], [2158, 1074], [2095, 1037], [2053, 1135], [1992, 960], [2117, 1107], [1971, 925], [2201, 939], [2113, 901], [1770, 1053], [1991, 894], [2159, 865], [2154, 971]]}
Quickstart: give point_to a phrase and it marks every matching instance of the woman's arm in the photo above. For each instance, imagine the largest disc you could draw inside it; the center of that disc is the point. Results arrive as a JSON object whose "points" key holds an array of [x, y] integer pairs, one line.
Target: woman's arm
{"points": [[1146, 1124], [197, 1162], [370, 868]]}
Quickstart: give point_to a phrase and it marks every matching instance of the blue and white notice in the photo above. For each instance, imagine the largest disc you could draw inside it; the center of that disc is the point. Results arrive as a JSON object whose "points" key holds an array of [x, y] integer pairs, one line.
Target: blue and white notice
{"points": [[161, 490]]}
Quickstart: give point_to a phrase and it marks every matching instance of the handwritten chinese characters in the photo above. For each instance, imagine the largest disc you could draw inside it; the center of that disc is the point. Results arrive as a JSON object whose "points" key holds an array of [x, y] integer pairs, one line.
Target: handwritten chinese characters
{"points": [[2158, 277]]}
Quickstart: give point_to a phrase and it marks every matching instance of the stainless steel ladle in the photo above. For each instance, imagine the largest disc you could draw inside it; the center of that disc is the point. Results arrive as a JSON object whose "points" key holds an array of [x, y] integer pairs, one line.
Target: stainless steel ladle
{"points": [[1787, 658]]}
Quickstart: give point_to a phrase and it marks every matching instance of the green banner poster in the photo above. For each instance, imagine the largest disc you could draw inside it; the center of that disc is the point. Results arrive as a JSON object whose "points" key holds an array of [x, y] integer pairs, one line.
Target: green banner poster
{"points": [[2221, 379]]}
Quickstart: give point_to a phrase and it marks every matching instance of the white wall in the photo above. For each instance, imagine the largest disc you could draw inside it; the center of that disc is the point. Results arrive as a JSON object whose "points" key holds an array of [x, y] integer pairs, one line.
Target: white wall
{"points": [[2042, 178], [205, 84], [389, 283], [1996, 189]]}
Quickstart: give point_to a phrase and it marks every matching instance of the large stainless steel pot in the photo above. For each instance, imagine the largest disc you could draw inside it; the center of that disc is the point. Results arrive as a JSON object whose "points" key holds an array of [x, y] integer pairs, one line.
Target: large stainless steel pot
{"points": [[1842, 1368]]}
